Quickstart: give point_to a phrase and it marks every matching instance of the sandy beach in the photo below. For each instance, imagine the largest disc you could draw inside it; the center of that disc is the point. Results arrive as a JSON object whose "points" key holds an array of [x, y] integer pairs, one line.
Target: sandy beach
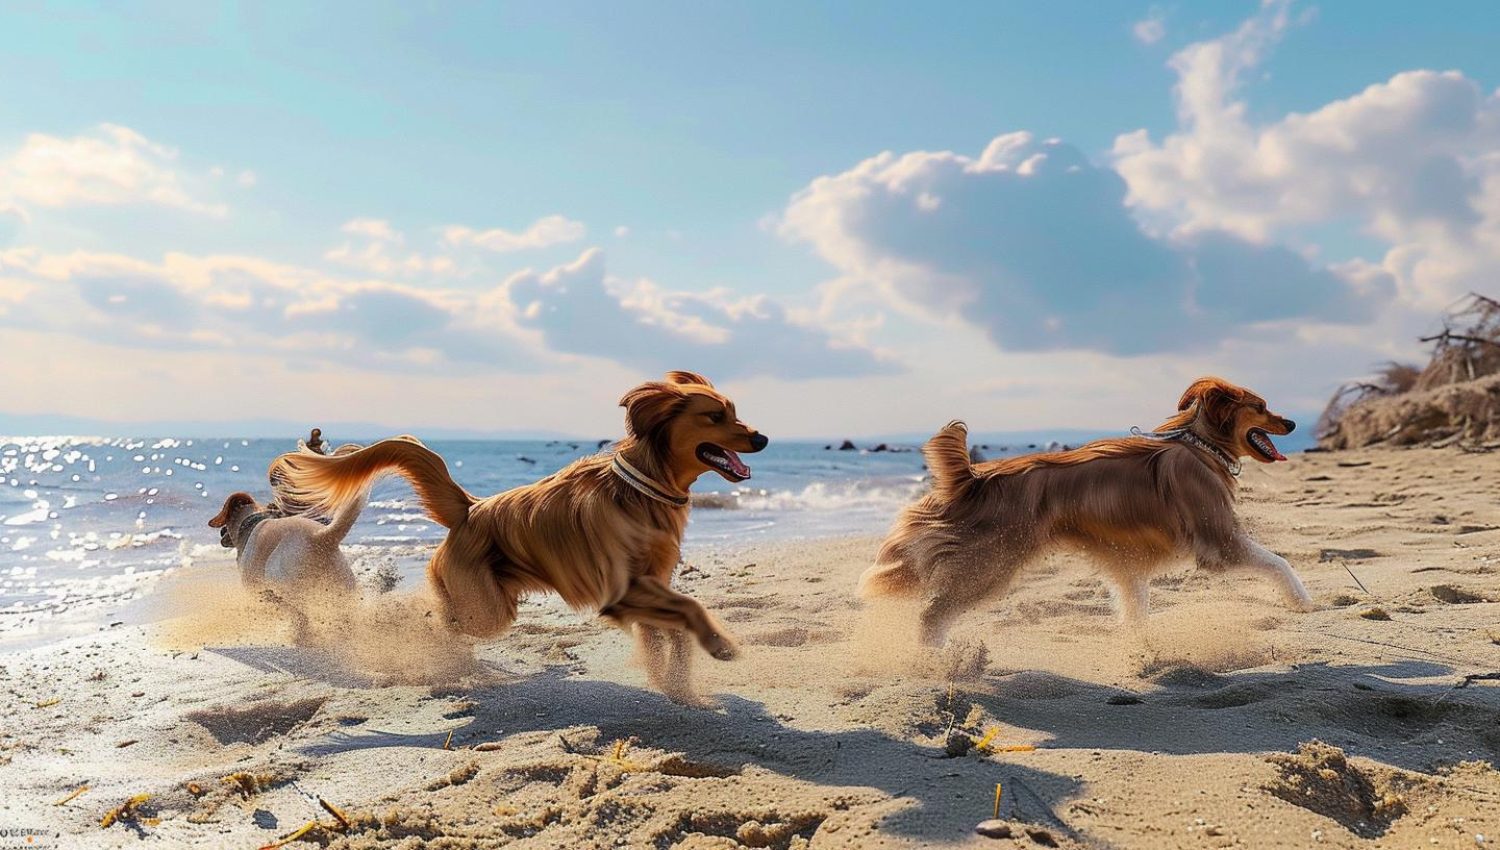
{"points": [[1228, 722]]}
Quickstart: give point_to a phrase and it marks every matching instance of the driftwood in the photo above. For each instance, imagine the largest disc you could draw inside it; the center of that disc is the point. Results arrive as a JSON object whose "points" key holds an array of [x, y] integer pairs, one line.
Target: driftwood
{"points": [[1453, 401]]}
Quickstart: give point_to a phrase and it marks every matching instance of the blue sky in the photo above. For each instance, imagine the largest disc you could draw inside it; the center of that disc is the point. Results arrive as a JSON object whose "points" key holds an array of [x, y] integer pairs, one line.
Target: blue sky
{"points": [[339, 206]]}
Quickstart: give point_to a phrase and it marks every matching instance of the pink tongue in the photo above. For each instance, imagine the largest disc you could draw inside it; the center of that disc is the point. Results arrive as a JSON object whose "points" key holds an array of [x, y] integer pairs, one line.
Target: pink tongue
{"points": [[736, 464], [1275, 452]]}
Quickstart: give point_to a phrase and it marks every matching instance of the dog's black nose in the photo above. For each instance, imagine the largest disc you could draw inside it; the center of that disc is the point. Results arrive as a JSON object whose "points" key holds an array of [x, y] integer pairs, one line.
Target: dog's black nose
{"points": [[758, 441], [1290, 425]]}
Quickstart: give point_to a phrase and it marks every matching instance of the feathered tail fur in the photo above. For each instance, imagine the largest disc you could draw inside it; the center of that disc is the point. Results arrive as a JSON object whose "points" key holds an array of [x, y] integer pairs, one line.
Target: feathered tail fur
{"points": [[947, 455], [337, 484]]}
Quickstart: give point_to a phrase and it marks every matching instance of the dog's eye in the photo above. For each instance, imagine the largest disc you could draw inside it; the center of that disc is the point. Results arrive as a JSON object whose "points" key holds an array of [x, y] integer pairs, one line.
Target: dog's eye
{"points": [[716, 418]]}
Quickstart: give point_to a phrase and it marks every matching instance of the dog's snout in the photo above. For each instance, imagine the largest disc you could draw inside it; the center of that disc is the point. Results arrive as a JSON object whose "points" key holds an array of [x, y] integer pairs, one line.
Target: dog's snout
{"points": [[1290, 425], [758, 441]]}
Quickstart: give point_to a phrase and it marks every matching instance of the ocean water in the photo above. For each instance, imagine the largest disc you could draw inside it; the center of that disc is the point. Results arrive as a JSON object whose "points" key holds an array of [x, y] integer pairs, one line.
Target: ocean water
{"points": [[90, 528]]}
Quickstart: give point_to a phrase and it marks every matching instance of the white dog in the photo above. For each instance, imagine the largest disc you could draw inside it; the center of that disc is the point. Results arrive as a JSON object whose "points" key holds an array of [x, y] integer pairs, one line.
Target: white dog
{"points": [[293, 556]]}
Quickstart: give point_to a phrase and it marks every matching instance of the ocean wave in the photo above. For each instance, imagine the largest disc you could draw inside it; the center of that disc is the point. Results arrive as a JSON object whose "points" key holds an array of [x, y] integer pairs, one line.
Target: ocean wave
{"points": [[823, 496]]}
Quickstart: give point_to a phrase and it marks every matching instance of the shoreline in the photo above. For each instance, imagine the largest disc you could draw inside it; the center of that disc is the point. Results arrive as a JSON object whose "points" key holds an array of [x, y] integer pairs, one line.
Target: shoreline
{"points": [[832, 729]]}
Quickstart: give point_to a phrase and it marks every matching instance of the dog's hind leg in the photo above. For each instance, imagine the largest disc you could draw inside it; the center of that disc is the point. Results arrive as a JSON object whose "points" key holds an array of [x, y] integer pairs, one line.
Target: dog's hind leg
{"points": [[474, 601], [937, 616], [963, 578]]}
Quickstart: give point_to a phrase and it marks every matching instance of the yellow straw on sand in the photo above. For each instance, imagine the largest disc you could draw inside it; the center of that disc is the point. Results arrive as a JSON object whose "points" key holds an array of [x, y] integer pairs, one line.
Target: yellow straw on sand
{"points": [[122, 811], [997, 800], [73, 796], [306, 828], [988, 737], [343, 819]]}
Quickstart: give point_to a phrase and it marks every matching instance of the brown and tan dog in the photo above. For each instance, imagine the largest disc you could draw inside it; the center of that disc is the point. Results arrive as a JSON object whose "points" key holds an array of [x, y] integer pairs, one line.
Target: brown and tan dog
{"points": [[604, 533], [1132, 504]]}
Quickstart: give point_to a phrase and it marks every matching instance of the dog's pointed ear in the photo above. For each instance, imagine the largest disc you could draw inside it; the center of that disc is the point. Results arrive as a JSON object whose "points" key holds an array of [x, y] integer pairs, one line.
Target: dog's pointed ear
{"points": [[1215, 399], [678, 376], [650, 406], [231, 504]]}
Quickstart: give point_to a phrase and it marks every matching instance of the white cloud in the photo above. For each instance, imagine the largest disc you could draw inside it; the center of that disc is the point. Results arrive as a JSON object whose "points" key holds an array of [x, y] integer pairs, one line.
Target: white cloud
{"points": [[249, 304], [1034, 244], [578, 309], [236, 303], [374, 248], [113, 166], [1413, 162], [12, 220], [246, 179], [544, 232], [377, 229], [1152, 28]]}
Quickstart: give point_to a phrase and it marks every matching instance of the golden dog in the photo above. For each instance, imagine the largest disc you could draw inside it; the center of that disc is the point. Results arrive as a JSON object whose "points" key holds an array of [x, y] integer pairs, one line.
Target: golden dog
{"points": [[1132, 504], [604, 533]]}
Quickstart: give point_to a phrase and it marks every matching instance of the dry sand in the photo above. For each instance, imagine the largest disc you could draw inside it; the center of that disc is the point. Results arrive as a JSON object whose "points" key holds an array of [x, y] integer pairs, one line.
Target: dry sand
{"points": [[832, 730]]}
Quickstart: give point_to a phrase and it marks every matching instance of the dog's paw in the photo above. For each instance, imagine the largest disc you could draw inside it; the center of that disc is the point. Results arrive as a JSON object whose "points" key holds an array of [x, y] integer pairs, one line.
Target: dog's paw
{"points": [[723, 647], [690, 698]]}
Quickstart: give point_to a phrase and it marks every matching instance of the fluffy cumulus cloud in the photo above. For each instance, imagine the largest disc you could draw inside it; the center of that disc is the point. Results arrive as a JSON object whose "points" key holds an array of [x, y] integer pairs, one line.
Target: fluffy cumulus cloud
{"points": [[111, 166], [543, 233], [1034, 244], [577, 308], [1413, 162], [247, 304]]}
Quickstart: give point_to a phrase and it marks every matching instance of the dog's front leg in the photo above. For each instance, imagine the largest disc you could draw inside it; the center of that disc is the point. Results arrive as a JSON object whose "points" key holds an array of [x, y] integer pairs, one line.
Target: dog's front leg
{"points": [[667, 657], [649, 600], [1256, 557], [1134, 594]]}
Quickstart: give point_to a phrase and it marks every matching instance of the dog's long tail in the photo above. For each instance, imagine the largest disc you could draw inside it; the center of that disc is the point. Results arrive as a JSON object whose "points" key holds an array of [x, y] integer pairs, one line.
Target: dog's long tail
{"points": [[338, 484], [344, 518], [947, 455]]}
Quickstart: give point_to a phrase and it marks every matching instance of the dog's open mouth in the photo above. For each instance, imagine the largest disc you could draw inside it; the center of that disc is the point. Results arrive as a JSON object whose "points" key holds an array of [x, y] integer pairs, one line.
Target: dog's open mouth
{"points": [[1261, 443], [724, 462]]}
